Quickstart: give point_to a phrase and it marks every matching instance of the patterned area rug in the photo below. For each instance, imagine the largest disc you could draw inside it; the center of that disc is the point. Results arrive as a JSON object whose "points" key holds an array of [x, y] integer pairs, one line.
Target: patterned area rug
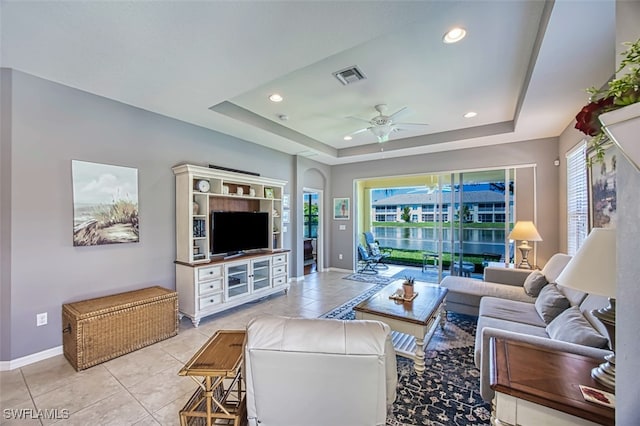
{"points": [[370, 278], [448, 392]]}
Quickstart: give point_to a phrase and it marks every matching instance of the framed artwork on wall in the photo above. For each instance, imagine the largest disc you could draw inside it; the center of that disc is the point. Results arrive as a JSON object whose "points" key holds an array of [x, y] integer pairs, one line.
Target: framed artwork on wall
{"points": [[341, 208], [285, 201], [602, 188], [105, 204]]}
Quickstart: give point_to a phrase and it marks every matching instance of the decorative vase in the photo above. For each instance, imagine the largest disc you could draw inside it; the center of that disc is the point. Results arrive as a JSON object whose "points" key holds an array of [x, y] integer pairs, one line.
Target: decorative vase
{"points": [[623, 126], [196, 208], [408, 290]]}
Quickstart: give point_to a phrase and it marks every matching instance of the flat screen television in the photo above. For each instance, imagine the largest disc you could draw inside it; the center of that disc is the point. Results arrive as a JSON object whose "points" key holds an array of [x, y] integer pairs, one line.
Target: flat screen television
{"points": [[233, 232]]}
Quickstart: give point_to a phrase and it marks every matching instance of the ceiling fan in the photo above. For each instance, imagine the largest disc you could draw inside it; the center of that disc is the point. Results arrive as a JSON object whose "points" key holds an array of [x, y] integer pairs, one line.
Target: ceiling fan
{"points": [[382, 125]]}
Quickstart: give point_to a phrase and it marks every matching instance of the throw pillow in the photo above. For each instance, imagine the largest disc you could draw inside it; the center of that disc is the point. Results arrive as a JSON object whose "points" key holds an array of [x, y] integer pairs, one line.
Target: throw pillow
{"points": [[571, 326], [550, 303], [374, 249], [534, 283]]}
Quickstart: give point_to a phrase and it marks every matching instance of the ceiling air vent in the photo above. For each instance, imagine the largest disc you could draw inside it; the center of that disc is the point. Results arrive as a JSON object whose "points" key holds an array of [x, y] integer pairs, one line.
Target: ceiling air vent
{"points": [[349, 75]]}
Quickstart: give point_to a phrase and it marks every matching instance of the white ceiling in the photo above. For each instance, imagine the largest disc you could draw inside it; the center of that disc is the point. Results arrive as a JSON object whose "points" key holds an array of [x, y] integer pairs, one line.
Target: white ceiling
{"points": [[523, 66]]}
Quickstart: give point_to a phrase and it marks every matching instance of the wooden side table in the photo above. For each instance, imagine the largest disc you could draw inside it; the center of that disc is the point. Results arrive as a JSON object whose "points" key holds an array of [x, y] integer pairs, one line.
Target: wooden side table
{"points": [[539, 386], [217, 401]]}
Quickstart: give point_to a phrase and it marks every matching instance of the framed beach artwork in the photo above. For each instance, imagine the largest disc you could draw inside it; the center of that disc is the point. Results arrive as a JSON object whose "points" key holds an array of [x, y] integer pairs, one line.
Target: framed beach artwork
{"points": [[341, 209], [602, 188], [105, 204]]}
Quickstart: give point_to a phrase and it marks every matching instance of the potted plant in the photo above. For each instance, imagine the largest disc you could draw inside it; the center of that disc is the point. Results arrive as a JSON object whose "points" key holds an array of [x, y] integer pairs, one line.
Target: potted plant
{"points": [[407, 287], [615, 107]]}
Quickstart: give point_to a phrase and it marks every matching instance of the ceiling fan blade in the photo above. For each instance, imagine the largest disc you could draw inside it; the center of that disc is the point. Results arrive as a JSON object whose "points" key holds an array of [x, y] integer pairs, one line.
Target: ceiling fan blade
{"points": [[366, 129], [359, 119], [398, 113], [412, 124]]}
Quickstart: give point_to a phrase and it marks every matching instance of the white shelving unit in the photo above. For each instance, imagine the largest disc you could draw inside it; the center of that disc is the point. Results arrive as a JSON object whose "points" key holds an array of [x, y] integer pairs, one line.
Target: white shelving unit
{"points": [[207, 284]]}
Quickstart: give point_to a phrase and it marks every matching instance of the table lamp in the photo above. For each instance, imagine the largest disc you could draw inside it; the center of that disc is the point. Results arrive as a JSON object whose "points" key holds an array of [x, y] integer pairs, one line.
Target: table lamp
{"points": [[593, 270], [525, 231]]}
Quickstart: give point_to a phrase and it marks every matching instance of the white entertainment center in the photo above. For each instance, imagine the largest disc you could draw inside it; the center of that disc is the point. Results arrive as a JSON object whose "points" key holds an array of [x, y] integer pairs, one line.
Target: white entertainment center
{"points": [[208, 283]]}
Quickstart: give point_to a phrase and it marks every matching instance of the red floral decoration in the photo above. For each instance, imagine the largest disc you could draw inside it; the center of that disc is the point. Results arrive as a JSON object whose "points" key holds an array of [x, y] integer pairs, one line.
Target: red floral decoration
{"points": [[587, 119]]}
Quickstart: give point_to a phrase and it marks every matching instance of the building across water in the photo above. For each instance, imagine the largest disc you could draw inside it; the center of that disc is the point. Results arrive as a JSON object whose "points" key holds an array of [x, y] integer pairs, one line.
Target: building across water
{"points": [[478, 206]]}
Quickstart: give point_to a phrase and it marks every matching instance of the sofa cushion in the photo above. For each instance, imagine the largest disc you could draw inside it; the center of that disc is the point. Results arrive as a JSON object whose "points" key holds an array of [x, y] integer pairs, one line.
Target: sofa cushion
{"points": [[555, 265], [516, 327], [575, 296], [534, 283], [470, 290], [510, 310], [571, 326], [550, 303]]}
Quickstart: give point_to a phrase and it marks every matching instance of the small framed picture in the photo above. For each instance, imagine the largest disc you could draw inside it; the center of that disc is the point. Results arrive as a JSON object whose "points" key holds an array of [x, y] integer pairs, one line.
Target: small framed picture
{"points": [[602, 184], [268, 193], [341, 208], [285, 201], [285, 216]]}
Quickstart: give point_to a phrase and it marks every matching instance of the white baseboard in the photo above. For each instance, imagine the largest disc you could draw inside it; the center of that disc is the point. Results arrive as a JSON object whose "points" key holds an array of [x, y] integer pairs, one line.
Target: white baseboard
{"points": [[30, 359]]}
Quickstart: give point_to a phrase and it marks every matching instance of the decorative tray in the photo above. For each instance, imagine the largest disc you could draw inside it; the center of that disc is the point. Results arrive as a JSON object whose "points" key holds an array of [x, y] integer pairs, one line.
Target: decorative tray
{"points": [[397, 296]]}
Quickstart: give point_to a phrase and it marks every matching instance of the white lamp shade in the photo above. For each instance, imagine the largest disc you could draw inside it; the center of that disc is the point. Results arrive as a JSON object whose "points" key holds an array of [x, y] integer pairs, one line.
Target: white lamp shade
{"points": [[525, 230], [593, 268]]}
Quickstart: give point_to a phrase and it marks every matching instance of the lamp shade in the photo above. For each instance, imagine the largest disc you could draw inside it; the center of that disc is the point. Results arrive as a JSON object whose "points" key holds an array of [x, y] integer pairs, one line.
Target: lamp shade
{"points": [[525, 230], [593, 268]]}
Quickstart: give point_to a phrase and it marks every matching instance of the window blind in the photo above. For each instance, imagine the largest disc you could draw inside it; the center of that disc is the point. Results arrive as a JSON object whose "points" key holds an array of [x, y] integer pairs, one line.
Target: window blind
{"points": [[577, 198]]}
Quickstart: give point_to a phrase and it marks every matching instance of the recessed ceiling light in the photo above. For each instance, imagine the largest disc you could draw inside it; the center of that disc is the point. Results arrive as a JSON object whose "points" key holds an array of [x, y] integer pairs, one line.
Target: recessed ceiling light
{"points": [[347, 138], [276, 98], [470, 114], [454, 35]]}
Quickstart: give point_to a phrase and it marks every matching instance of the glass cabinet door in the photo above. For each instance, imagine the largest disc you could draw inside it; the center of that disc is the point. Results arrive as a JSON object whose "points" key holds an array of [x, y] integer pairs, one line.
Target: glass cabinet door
{"points": [[237, 280], [261, 276]]}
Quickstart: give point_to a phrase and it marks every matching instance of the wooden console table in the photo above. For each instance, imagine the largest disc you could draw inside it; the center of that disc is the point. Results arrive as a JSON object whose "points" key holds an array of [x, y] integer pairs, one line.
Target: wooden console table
{"points": [[540, 386], [217, 401]]}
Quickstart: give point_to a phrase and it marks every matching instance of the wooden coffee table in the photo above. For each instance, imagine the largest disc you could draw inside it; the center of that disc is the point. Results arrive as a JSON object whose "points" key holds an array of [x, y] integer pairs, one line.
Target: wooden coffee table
{"points": [[415, 321]]}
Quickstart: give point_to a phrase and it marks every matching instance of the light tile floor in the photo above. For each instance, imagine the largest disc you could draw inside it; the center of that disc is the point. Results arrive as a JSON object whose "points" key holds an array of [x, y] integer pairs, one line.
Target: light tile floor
{"points": [[143, 387]]}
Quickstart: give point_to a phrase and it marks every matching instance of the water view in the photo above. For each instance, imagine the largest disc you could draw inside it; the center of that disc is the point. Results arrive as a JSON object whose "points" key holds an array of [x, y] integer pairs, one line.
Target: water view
{"points": [[475, 241]]}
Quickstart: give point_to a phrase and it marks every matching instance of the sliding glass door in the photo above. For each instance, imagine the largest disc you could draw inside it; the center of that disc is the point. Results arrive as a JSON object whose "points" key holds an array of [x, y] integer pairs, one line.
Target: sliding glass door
{"points": [[453, 223]]}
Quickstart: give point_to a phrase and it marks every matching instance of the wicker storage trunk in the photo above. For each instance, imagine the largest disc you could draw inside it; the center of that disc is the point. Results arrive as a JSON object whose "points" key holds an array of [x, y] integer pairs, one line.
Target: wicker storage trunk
{"points": [[97, 330]]}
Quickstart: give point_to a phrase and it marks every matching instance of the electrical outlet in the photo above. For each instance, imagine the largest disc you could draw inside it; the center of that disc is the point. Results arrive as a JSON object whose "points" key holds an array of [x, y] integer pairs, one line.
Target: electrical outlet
{"points": [[41, 319], [340, 256]]}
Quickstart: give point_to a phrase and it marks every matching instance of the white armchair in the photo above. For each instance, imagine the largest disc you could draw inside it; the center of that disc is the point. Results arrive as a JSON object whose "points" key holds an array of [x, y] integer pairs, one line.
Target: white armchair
{"points": [[318, 372]]}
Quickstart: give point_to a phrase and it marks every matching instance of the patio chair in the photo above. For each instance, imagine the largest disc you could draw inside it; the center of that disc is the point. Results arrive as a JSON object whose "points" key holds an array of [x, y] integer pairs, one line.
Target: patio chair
{"points": [[366, 262], [373, 247]]}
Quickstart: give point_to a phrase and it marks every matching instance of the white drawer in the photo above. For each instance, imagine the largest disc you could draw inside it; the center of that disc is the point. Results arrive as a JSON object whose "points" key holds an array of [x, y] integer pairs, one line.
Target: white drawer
{"points": [[210, 286], [279, 270], [209, 273], [277, 259], [207, 301], [281, 280]]}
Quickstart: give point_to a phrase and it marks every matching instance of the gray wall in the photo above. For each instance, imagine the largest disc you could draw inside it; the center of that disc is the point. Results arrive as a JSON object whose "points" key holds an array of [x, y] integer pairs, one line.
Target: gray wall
{"points": [[52, 124], [309, 174], [541, 152]]}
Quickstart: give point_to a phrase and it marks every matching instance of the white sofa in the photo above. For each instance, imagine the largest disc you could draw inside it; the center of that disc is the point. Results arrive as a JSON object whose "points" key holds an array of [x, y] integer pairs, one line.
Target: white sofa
{"points": [[506, 310], [464, 294], [318, 372]]}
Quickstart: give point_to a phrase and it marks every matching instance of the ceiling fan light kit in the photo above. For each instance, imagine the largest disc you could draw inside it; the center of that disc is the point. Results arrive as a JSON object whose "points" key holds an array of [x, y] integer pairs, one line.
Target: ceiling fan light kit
{"points": [[382, 125]]}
